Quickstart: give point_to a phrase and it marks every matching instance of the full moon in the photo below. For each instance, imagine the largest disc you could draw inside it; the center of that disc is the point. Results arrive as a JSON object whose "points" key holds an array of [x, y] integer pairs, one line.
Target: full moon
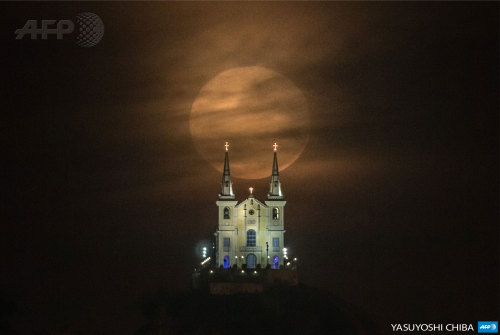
{"points": [[251, 108]]}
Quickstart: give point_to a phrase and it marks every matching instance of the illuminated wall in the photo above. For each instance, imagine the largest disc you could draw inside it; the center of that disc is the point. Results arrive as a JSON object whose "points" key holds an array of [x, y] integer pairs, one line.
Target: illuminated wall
{"points": [[238, 221]]}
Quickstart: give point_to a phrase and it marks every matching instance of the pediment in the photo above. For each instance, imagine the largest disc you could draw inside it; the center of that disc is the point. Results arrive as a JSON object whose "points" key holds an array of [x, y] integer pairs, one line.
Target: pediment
{"points": [[248, 203]]}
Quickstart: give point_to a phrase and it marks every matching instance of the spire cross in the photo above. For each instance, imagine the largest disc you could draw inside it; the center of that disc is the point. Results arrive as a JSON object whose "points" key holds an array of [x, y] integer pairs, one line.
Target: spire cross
{"points": [[251, 190], [227, 146], [275, 146]]}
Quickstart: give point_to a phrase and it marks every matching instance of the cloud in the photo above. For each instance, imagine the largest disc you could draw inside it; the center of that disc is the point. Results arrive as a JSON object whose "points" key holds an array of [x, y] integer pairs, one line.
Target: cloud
{"points": [[303, 43]]}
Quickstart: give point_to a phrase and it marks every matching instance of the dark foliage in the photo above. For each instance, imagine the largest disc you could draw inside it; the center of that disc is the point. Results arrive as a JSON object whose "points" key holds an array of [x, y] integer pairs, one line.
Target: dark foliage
{"points": [[297, 310], [8, 309]]}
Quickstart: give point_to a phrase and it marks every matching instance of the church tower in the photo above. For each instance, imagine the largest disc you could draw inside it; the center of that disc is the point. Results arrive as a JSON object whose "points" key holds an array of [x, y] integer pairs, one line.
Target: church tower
{"points": [[250, 233], [276, 204]]}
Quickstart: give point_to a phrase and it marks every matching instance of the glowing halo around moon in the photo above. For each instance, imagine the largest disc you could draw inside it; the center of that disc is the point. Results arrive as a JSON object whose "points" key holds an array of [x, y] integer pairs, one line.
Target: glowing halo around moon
{"points": [[251, 108]]}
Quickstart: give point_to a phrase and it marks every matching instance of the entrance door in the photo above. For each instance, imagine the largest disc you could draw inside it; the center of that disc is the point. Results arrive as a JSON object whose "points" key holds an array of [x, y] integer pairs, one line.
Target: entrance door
{"points": [[276, 262], [251, 261]]}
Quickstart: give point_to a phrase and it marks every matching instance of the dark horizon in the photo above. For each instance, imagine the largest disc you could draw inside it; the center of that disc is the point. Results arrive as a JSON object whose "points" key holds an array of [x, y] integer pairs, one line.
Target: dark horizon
{"points": [[392, 205]]}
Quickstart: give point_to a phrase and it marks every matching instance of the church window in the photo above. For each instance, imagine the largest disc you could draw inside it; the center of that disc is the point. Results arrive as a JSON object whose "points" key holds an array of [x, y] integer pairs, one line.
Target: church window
{"points": [[276, 213], [226, 262], [276, 262], [226, 213], [276, 242], [251, 238], [227, 242]]}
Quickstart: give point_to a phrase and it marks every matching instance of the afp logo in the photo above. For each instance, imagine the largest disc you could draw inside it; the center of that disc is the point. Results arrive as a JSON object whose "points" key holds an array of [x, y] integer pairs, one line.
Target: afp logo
{"points": [[90, 29], [487, 327]]}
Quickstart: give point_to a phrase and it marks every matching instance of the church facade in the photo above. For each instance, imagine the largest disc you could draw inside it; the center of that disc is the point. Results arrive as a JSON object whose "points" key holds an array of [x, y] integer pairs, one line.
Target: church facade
{"points": [[250, 233]]}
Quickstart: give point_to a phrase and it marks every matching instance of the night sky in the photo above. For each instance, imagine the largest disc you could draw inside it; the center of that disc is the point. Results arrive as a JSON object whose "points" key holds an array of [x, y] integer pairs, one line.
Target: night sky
{"points": [[392, 205]]}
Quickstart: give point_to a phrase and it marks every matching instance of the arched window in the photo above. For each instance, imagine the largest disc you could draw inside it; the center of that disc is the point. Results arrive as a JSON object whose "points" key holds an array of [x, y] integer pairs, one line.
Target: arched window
{"points": [[251, 238], [226, 213], [276, 262], [226, 262], [276, 213]]}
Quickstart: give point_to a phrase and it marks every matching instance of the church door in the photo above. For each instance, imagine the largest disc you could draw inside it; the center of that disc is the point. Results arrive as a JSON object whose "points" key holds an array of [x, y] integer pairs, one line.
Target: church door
{"points": [[276, 262], [251, 261]]}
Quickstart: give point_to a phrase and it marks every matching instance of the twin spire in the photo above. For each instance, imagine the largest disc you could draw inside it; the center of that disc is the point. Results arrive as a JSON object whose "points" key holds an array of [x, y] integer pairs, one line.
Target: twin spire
{"points": [[274, 187]]}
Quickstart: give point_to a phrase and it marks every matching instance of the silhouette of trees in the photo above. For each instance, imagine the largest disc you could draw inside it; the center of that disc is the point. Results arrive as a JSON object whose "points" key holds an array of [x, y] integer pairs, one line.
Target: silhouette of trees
{"points": [[294, 310]]}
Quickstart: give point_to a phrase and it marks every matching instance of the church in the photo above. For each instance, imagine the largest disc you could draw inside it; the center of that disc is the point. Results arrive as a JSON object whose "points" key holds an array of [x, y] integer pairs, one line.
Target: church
{"points": [[250, 233]]}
